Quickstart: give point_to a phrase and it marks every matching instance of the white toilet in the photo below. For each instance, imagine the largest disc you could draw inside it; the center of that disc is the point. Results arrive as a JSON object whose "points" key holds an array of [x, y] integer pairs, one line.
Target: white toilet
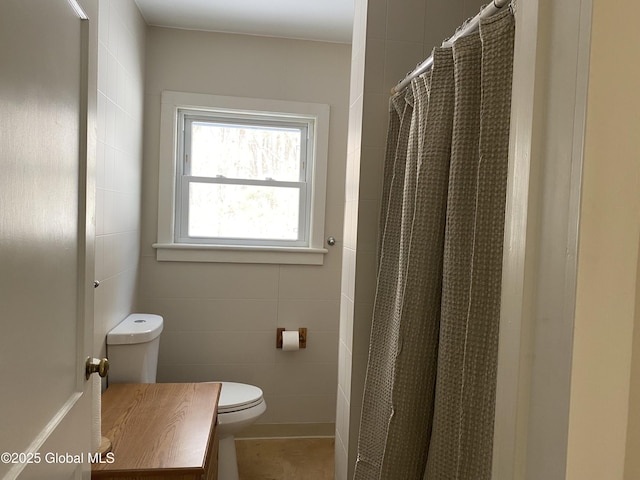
{"points": [[132, 349], [239, 406]]}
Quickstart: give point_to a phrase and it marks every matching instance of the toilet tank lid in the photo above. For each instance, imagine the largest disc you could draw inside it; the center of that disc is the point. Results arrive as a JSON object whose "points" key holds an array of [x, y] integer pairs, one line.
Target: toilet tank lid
{"points": [[136, 328]]}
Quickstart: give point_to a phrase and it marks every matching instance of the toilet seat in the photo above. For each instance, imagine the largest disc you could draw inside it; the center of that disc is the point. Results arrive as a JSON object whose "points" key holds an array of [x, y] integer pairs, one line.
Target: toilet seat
{"points": [[235, 397]]}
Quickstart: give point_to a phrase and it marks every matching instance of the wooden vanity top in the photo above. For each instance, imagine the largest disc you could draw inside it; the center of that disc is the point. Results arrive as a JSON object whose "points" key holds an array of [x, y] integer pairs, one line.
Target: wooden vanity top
{"points": [[159, 430]]}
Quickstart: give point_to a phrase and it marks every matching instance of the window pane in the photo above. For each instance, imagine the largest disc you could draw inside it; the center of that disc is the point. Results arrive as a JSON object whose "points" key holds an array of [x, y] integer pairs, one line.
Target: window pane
{"points": [[241, 151], [243, 211]]}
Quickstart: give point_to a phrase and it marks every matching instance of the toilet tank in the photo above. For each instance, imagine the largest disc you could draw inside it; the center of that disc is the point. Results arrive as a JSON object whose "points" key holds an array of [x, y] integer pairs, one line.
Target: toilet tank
{"points": [[132, 349]]}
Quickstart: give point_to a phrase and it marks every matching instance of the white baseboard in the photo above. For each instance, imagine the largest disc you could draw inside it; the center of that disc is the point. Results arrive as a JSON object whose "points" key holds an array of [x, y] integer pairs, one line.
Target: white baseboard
{"points": [[286, 430]]}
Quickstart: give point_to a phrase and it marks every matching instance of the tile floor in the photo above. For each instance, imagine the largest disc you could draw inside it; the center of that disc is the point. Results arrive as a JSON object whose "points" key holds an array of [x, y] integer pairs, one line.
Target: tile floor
{"points": [[285, 459]]}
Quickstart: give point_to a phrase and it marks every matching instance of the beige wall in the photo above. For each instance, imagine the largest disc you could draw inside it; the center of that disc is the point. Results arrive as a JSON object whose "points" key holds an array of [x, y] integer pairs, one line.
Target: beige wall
{"points": [[608, 255], [221, 319], [121, 61], [632, 460], [390, 37]]}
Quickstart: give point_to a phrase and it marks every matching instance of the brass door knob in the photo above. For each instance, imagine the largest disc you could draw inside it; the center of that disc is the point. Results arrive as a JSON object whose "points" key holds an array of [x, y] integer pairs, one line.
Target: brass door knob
{"points": [[96, 365]]}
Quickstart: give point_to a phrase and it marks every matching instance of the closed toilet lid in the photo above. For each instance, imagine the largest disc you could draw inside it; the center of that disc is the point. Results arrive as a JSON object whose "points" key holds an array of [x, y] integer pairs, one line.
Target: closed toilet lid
{"points": [[238, 396]]}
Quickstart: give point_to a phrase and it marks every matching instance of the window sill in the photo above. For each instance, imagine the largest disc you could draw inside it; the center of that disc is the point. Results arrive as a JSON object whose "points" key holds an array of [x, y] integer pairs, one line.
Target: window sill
{"points": [[183, 252]]}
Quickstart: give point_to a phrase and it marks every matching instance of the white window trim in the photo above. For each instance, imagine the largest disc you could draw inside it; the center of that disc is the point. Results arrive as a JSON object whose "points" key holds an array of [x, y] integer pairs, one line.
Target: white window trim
{"points": [[305, 125], [167, 249]]}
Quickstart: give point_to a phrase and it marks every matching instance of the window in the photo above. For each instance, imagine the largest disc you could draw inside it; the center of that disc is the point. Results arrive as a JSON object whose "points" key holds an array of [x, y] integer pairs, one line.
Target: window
{"points": [[241, 180]]}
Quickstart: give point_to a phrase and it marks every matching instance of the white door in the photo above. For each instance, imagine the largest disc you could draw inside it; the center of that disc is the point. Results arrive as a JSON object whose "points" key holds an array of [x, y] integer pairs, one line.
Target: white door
{"points": [[46, 246]]}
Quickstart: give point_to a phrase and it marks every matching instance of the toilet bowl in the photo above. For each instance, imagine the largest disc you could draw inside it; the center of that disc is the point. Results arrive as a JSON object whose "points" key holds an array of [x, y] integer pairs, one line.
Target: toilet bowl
{"points": [[239, 406]]}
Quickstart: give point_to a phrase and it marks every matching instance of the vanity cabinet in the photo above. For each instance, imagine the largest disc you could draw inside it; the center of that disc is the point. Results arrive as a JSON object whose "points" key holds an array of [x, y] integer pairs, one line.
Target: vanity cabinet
{"points": [[160, 431]]}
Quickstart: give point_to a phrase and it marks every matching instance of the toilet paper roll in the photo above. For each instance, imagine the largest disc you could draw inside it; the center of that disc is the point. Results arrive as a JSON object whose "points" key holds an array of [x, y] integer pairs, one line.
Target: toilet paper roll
{"points": [[290, 340], [96, 415]]}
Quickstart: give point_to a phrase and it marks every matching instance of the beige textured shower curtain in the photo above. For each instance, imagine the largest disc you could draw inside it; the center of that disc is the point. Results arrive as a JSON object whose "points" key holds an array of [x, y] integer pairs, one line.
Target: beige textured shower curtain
{"points": [[428, 407]]}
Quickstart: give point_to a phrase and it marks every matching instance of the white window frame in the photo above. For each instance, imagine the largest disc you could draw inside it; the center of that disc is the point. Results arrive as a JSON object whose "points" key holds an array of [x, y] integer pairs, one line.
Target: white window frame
{"points": [[171, 245], [306, 127]]}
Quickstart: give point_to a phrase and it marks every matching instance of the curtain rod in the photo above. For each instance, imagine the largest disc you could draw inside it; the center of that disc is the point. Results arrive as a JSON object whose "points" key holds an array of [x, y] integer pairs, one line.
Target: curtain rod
{"points": [[469, 27]]}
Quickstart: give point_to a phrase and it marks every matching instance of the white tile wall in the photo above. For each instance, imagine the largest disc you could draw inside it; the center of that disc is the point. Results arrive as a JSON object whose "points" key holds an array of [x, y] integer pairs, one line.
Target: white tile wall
{"points": [[121, 51], [406, 20], [390, 38], [221, 319]]}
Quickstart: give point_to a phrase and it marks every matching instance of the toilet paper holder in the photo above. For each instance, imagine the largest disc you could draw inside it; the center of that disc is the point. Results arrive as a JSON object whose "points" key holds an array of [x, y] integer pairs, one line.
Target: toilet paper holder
{"points": [[302, 337]]}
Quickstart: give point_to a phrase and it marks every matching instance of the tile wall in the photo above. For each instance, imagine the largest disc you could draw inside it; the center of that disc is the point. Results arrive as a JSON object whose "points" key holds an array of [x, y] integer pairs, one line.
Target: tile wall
{"points": [[221, 319], [390, 37], [121, 53]]}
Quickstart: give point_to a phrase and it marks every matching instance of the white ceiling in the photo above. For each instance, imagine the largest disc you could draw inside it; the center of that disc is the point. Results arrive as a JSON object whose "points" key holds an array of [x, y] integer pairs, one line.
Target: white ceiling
{"points": [[325, 20]]}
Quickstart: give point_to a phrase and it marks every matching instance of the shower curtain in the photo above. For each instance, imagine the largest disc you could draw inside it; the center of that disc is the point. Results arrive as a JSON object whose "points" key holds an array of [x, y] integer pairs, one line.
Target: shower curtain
{"points": [[428, 405]]}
